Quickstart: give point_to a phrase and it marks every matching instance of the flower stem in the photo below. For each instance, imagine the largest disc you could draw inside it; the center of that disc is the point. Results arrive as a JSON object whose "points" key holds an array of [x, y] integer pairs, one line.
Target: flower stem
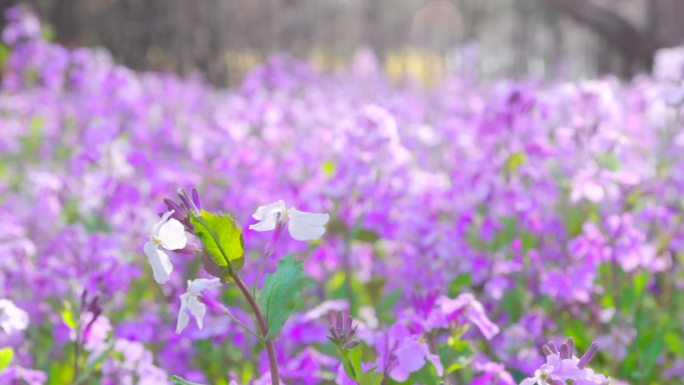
{"points": [[263, 327], [237, 321]]}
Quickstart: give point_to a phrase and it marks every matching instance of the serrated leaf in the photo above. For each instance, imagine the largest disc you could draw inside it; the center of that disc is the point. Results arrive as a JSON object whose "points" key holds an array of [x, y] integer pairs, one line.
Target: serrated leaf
{"points": [[6, 357], [280, 292], [222, 243], [178, 380]]}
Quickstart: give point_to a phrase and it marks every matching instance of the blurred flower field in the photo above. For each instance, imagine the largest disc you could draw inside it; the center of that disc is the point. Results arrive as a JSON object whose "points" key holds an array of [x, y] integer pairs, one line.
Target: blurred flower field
{"points": [[467, 226]]}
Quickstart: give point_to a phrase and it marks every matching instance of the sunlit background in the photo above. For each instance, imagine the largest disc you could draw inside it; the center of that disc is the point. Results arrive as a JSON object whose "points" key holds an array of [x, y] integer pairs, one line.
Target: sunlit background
{"points": [[420, 39]]}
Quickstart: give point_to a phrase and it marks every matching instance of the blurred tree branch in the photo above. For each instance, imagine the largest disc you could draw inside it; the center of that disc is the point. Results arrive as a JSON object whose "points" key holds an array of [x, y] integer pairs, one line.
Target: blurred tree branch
{"points": [[637, 46]]}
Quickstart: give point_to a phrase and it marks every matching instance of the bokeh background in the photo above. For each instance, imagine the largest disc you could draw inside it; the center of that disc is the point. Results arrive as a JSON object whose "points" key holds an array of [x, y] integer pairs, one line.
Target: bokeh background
{"points": [[525, 155], [422, 39]]}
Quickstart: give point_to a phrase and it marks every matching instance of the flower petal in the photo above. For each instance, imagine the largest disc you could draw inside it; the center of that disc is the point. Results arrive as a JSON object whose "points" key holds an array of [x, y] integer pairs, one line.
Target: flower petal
{"points": [[159, 260], [268, 224], [172, 235], [476, 315], [199, 285], [183, 317], [311, 219], [436, 362], [165, 217], [304, 226], [270, 210], [197, 309]]}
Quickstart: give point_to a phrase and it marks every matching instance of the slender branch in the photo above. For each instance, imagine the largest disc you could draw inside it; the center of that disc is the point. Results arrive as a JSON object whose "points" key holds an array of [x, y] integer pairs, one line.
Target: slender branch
{"points": [[270, 348], [261, 321], [237, 321]]}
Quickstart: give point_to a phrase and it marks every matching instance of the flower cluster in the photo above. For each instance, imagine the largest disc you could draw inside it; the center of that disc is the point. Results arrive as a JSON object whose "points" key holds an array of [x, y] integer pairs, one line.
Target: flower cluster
{"points": [[562, 367]]}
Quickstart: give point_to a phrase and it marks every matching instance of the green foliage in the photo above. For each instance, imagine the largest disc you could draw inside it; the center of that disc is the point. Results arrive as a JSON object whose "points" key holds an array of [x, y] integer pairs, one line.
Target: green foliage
{"points": [[6, 357], [328, 168], [178, 380], [458, 353], [458, 284], [609, 161], [280, 292], [222, 243], [370, 377], [515, 161], [513, 302], [351, 360], [68, 316]]}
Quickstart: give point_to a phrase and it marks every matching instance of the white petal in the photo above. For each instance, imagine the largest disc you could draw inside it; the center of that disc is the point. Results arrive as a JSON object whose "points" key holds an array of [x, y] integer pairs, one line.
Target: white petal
{"points": [[183, 317], [197, 309], [269, 210], [311, 219], [199, 285], [171, 235], [303, 231], [165, 217], [159, 260], [267, 224]]}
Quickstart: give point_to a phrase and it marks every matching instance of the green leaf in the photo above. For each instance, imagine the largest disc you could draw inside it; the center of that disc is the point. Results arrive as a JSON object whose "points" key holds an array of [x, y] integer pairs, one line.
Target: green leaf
{"points": [[458, 352], [178, 380], [328, 168], [609, 161], [515, 161], [351, 360], [675, 343], [371, 377], [222, 243], [6, 356], [281, 290], [68, 316], [459, 283]]}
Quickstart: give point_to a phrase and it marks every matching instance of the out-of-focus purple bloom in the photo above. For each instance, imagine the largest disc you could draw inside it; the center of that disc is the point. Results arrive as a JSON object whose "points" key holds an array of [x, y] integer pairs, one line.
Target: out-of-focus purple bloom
{"points": [[19, 375], [466, 306], [492, 374], [401, 353], [562, 365]]}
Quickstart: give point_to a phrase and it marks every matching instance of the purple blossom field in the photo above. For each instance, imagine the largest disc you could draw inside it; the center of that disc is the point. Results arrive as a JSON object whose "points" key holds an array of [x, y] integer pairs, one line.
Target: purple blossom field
{"points": [[314, 228]]}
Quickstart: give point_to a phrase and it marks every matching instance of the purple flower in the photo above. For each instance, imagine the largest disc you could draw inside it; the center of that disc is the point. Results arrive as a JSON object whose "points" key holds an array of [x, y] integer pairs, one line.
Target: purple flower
{"points": [[401, 353], [562, 365]]}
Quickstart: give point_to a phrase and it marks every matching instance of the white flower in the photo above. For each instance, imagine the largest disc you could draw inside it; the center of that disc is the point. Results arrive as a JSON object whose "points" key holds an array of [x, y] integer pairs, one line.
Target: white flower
{"points": [[301, 225], [540, 377], [167, 234], [11, 317], [190, 302]]}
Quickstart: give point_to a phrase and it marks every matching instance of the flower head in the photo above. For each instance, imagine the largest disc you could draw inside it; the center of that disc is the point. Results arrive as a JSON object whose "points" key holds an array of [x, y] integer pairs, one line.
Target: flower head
{"points": [[190, 302], [342, 330], [562, 366], [167, 234], [401, 353], [301, 225]]}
